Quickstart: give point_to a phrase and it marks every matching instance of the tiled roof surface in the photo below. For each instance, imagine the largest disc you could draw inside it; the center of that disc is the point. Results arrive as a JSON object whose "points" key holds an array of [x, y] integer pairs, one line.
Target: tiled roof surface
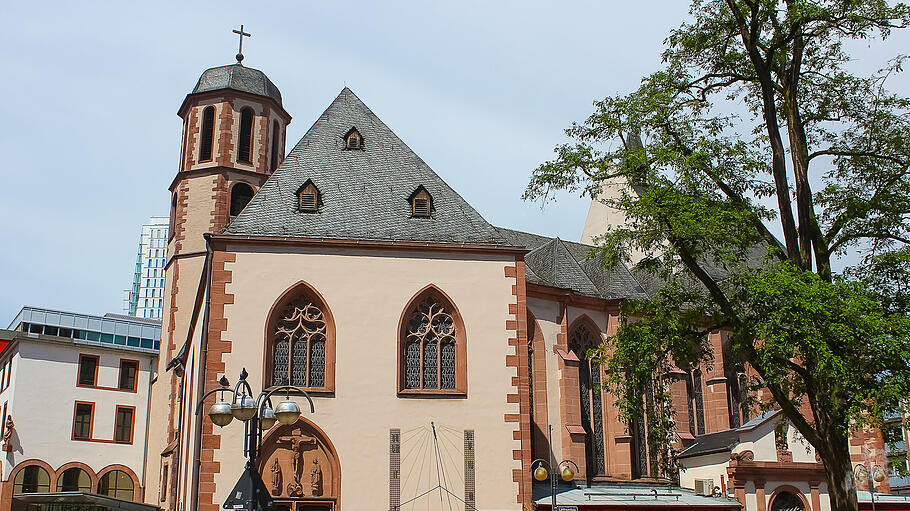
{"points": [[364, 192], [567, 265], [237, 77]]}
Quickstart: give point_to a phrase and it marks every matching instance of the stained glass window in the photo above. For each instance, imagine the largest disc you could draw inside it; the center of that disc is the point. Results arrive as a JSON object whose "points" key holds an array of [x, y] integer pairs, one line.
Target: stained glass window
{"points": [[430, 350], [447, 366], [299, 345], [581, 340]]}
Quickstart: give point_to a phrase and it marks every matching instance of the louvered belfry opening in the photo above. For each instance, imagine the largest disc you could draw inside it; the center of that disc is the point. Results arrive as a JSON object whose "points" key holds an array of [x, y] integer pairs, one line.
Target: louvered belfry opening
{"points": [[244, 149], [206, 137], [273, 159], [241, 194]]}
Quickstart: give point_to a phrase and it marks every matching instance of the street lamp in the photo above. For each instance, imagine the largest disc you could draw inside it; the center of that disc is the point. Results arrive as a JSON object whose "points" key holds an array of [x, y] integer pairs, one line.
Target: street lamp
{"points": [[540, 471], [863, 474], [257, 414]]}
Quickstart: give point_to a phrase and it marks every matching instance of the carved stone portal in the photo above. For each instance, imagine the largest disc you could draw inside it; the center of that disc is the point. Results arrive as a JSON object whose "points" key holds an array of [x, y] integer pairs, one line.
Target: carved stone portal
{"points": [[299, 464]]}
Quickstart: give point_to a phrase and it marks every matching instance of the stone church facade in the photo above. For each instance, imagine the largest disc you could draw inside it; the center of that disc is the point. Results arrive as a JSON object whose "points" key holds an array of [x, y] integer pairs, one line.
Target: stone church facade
{"points": [[436, 347]]}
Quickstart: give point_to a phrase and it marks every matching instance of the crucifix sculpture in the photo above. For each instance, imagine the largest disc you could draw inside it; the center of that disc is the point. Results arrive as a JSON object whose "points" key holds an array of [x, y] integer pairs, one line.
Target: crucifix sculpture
{"points": [[241, 33], [297, 446]]}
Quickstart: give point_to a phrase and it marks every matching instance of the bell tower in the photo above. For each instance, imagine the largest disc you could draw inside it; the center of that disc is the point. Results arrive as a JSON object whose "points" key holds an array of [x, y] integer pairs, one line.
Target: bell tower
{"points": [[233, 139]]}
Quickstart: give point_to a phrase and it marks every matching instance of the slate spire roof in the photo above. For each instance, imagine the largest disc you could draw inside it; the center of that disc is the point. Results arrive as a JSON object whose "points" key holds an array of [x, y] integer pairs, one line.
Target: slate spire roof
{"points": [[364, 192], [237, 77]]}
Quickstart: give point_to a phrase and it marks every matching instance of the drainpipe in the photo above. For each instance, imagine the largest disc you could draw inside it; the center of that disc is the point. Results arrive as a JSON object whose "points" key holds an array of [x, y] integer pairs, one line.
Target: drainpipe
{"points": [[203, 349]]}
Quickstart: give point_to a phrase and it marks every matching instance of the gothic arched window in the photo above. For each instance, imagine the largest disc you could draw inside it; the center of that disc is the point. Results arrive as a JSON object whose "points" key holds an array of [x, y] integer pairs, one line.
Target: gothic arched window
{"points": [[582, 338], [699, 399], [301, 341], [207, 135], [245, 145], [432, 346], [241, 194]]}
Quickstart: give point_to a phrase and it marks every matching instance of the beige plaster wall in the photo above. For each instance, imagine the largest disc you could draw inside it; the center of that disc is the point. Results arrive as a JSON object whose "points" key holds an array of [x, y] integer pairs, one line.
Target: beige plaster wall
{"points": [[547, 314], [46, 372], [367, 292]]}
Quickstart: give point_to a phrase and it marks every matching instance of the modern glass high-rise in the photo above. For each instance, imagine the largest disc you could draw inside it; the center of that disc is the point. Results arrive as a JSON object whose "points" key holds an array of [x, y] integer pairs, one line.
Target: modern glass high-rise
{"points": [[145, 297]]}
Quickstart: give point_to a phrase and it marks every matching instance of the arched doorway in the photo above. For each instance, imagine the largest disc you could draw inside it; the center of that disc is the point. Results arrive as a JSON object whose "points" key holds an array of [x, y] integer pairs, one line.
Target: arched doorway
{"points": [[299, 466], [787, 500]]}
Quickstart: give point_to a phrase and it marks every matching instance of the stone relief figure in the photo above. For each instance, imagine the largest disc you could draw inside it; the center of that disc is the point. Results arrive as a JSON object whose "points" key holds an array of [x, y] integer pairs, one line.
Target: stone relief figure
{"points": [[295, 489], [8, 434], [316, 479], [276, 477]]}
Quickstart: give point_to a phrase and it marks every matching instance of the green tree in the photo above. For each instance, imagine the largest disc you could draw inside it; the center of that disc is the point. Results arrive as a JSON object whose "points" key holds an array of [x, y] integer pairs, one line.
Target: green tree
{"points": [[756, 104]]}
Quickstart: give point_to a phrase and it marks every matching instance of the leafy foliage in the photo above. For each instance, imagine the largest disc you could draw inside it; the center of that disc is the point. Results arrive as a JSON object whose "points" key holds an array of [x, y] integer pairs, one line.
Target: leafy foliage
{"points": [[716, 151]]}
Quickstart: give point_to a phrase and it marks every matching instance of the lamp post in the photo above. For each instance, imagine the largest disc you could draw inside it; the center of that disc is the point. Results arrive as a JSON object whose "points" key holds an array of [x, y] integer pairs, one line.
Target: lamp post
{"points": [[257, 415], [540, 471], [876, 475]]}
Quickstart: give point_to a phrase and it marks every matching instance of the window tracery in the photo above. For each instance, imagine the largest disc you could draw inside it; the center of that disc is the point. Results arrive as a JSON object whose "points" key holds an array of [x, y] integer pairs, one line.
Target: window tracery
{"points": [[298, 356], [432, 346], [589, 381]]}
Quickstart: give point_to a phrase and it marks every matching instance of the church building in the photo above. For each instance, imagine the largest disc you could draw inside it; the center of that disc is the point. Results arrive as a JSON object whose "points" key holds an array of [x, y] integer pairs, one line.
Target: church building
{"points": [[437, 348]]}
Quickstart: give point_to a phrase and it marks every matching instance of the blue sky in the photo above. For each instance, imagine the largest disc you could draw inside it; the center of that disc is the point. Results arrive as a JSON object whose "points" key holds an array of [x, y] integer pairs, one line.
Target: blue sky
{"points": [[481, 90]]}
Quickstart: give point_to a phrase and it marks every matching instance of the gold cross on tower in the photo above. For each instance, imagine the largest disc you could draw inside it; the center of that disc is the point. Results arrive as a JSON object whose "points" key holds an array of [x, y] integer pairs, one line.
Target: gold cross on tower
{"points": [[241, 33]]}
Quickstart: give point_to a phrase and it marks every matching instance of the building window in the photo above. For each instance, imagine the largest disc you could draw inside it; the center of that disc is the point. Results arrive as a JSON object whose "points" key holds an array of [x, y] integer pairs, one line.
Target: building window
{"points": [[582, 338], [353, 139], [786, 501], [421, 203], [88, 370], [123, 425], [128, 370], [302, 342], [246, 136], [207, 136], [82, 422], [432, 346], [241, 195], [74, 479], [699, 400], [32, 479], [308, 198], [690, 396], [273, 160], [116, 484]]}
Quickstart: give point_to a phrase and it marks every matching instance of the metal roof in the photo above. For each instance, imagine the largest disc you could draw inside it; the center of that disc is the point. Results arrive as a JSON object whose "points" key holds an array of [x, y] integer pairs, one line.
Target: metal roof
{"points": [[237, 77], [625, 496], [112, 330]]}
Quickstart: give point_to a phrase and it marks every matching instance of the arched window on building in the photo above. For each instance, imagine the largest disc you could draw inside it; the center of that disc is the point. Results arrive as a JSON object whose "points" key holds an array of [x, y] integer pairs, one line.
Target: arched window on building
{"points": [[583, 337], [172, 223], [432, 346], [273, 158], [699, 400], [245, 145], [74, 479], [32, 479], [241, 194], [207, 135], [302, 341], [117, 484]]}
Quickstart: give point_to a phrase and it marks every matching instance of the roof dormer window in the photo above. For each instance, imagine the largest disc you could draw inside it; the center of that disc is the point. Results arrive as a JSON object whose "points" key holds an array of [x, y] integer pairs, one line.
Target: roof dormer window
{"points": [[308, 198], [421, 203], [353, 139]]}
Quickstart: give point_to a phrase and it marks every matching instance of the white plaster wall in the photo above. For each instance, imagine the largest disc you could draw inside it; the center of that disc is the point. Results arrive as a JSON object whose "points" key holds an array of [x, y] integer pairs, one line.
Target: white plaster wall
{"points": [[42, 401], [709, 466], [367, 292]]}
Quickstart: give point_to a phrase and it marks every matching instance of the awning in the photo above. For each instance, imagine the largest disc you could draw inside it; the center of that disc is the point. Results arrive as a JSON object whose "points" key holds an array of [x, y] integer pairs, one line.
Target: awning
{"points": [[78, 498]]}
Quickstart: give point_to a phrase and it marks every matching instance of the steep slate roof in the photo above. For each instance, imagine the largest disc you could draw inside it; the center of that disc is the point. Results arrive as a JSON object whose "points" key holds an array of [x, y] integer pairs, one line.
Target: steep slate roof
{"points": [[567, 265], [237, 77], [364, 192]]}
